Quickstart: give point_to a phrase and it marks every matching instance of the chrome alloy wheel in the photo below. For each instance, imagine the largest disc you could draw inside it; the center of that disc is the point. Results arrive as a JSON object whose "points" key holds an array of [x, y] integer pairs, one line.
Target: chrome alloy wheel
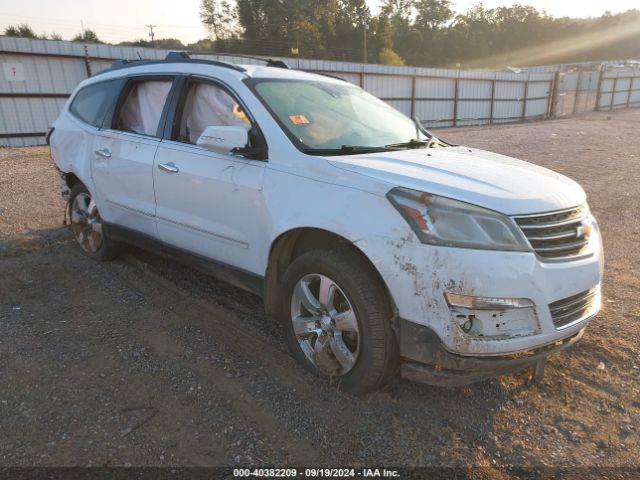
{"points": [[86, 223], [325, 324]]}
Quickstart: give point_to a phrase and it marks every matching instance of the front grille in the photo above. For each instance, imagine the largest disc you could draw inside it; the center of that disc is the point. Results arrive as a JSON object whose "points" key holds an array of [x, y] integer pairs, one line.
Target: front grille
{"points": [[570, 310], [559, 234]]}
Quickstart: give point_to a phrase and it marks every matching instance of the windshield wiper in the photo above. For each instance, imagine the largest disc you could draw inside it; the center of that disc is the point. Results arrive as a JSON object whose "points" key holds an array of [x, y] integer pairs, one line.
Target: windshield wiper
{"points": [[432, 140], [349, 149], [413, 143]]}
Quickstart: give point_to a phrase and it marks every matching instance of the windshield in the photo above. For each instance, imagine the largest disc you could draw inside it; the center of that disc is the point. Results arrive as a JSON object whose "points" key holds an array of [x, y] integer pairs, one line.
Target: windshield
{"points": [[326, 116]]}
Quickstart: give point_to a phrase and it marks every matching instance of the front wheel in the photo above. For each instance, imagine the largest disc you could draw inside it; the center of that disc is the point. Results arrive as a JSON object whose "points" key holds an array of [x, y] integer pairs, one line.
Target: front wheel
{"points": [[338, 319]]}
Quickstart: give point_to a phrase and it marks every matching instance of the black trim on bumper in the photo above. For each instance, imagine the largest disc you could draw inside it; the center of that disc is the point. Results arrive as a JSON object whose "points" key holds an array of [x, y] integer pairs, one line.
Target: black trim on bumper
{"points": [[425, 360]]}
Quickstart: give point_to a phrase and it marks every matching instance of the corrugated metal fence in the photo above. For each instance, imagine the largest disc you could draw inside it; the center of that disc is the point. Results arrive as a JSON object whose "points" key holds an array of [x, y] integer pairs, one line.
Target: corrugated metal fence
{"points": [[38, 75]]}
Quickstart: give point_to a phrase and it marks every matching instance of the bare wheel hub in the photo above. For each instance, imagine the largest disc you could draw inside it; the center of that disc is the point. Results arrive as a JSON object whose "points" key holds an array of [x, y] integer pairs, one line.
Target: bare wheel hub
{"points": [[325, 324]]}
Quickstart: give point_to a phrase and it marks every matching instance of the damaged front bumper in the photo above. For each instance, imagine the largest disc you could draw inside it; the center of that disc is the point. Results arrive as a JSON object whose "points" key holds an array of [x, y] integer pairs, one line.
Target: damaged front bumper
{"points": [[425, 360], [485, 303]]}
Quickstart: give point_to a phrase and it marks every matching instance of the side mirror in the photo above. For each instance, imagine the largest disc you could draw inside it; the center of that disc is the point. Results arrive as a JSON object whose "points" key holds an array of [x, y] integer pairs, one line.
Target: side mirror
{"points": [[224, 139]]}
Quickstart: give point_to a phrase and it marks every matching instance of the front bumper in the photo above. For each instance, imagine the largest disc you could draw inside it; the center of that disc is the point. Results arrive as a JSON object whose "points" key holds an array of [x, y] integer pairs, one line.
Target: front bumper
{"points": [[418, 276], [425, 360]]}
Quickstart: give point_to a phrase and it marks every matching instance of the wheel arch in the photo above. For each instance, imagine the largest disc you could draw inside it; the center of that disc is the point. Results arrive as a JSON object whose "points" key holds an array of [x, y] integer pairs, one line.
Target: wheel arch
{"points": [[71, 179], [291, 244]]}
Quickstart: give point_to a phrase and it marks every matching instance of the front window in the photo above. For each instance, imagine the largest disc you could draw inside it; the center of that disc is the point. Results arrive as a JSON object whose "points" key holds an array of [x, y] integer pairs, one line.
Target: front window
{"points": [[328, 117], [207, 105]]}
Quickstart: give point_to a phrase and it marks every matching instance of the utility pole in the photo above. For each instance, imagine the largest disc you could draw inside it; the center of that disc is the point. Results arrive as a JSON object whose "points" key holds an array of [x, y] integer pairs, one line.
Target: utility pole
{"points": [[365, 27], [151, 34]]}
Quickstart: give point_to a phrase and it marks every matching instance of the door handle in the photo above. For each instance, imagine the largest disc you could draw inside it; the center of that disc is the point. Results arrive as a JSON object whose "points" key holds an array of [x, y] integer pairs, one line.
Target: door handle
{"points": [[168, 167], [104, 153]]}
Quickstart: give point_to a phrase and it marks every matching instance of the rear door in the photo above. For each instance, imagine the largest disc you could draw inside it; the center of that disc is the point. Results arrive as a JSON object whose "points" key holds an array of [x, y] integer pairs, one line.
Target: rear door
{"points": [[210, 203], [124, 151]]}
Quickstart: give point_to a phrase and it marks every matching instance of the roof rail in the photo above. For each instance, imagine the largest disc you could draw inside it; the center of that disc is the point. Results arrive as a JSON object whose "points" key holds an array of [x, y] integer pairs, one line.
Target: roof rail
{"points": [[122, 63], [271, 62], [180, 57], [172, 57], [183, 57]]}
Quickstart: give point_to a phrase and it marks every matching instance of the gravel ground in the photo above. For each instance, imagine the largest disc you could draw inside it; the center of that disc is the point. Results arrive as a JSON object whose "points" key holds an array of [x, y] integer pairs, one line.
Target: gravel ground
{"points": [[142, 361]]}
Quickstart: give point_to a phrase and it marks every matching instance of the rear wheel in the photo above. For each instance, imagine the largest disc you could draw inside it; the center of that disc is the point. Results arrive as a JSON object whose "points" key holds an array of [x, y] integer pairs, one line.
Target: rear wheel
{"points": [[338, 319], [86, 225]]}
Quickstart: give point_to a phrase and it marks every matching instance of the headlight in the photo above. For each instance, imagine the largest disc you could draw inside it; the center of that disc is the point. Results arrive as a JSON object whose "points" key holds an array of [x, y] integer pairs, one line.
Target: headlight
{"points": [[441, 221]]}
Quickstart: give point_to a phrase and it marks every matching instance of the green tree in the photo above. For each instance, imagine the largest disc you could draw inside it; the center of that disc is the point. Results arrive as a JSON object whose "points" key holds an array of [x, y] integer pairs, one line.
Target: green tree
{"points": [[219, 17], [170, 44], [204, 45], [22, 30], [432, 14], [384, 34], [141, 42], [88, 36], [389, 57], [166, 43], [471, 35], [428, 32], [350, 19], [315, 27]]}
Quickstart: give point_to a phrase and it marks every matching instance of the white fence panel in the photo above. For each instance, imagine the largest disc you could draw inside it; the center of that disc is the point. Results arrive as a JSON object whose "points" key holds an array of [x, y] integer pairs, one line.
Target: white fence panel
{"points": [[509, 90], [387, 86], [435, 87], [42, 74], [403, 106], [507, 110], [539, 89], [438, 113], [605, 100], [474, 110], [474, 89], [536, 108]]}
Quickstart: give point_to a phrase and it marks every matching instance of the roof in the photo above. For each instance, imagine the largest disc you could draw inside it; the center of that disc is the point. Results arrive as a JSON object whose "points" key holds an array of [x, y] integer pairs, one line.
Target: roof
{"points": [[181, 62]]}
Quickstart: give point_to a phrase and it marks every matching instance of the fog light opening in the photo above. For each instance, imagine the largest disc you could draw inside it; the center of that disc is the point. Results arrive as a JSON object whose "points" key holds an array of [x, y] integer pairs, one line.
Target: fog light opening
{"points": [[468, 325], [471, 302]]}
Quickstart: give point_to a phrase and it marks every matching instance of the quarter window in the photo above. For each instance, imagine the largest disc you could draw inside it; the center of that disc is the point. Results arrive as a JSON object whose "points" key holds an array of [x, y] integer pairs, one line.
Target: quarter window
{"points": [[90, 104], [142, 108], [207, 105]]}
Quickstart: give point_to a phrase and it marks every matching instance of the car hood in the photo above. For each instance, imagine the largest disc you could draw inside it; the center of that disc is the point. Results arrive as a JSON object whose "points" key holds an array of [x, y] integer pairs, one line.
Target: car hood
{"points": [[490, 180]]}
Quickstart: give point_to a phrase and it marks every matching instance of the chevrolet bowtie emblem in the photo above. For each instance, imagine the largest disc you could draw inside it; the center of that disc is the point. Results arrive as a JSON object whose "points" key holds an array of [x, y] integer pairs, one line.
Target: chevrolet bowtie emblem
{"points": [[583, 230]]}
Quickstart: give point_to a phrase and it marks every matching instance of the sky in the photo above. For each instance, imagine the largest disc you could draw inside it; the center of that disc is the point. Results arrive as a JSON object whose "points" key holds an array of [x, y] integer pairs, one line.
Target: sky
{"points": [[118, 20]]}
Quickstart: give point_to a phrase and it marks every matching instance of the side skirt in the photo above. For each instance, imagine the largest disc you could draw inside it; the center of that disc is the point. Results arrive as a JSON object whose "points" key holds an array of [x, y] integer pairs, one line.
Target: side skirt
{"points": [[239, 278]]}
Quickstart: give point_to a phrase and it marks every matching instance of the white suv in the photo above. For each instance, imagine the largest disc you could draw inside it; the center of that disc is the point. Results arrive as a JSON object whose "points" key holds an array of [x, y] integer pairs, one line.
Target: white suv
{"points": [[380, 247]]}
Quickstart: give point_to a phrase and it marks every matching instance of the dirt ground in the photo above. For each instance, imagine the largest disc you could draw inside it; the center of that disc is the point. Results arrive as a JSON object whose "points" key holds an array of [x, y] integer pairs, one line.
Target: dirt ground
{"points": [[142, 361]]}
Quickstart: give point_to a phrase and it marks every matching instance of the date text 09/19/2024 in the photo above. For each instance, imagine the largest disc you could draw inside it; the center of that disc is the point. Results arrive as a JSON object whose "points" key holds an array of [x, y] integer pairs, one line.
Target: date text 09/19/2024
{"points": [[316, 473]]}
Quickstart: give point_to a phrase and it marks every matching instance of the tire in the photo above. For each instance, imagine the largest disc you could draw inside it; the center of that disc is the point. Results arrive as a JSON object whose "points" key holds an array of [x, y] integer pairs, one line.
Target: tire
{"points": [[86, 225], [317, 340]]}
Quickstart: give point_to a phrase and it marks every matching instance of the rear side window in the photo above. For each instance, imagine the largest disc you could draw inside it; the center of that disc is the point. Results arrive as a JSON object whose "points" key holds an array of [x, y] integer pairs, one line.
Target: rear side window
{"points": [[90, 104], [142, 108]]}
